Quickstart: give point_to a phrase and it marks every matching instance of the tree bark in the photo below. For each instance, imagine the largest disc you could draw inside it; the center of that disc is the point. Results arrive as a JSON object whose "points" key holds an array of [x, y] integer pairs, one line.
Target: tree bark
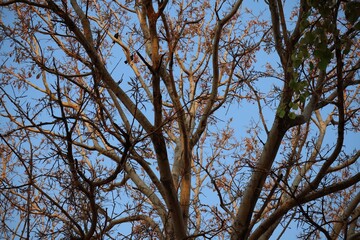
{"points": [[240, 227]]}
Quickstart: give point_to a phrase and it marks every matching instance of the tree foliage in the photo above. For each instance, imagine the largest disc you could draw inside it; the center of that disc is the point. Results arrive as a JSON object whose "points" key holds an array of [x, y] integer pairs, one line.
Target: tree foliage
{"points": [[125, 119]]}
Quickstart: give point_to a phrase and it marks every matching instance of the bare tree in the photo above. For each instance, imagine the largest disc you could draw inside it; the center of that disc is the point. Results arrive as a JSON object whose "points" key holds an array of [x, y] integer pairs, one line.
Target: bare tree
{"points": [[120, 119]]}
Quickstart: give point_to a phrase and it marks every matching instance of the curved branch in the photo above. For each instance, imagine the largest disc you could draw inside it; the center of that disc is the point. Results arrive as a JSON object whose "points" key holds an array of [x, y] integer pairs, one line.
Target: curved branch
{"points": [[282, 210], [100, 66], [215, 67]]}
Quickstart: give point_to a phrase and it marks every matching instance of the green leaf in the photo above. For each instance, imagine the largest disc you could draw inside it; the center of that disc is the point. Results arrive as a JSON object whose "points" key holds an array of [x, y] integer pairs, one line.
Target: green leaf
{"points": [[325, 56], [302, 98], [317, 53], [292, 115], [297, 63], [309, 38], [311, 66], [281, 113], [294, 106], [323, 64], [304, 24], [303, 84], [293, 84], [312, 3]]}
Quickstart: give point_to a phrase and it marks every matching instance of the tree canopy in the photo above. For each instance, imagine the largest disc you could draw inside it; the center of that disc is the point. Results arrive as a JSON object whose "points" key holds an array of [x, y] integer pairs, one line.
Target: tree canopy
{"points": [[143, 119]]}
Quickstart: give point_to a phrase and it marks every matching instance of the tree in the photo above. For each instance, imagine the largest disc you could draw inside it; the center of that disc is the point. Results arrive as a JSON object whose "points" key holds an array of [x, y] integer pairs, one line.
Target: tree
{"points": [[115, 119]]}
